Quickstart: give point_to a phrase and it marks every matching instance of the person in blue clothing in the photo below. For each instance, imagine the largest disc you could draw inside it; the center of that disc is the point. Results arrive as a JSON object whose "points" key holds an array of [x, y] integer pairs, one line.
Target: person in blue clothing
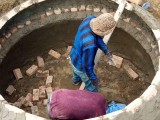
{"points": [[87, 41]]}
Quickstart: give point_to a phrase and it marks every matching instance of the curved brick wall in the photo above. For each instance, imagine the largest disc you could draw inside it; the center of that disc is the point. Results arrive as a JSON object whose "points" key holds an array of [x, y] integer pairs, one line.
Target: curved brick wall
{"points": [[138, 23]]}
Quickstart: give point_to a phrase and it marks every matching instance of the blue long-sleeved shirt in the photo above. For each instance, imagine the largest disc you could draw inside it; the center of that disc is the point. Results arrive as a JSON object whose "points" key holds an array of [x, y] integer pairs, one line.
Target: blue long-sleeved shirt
{"points": [[84, 49]]}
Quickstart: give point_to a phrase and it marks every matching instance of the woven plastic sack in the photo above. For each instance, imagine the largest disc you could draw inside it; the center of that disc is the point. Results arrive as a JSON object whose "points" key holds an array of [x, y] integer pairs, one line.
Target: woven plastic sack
{"points": [[76, 104]]}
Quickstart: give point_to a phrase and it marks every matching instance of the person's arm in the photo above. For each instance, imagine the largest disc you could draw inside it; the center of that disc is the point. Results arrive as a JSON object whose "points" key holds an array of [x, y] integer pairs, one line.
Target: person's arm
{"points": [[103, 46], [88, 62]]}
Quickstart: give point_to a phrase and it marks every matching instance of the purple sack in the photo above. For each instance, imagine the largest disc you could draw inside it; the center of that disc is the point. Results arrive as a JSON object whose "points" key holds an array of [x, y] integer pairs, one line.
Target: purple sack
{"points": [[76, 104]]}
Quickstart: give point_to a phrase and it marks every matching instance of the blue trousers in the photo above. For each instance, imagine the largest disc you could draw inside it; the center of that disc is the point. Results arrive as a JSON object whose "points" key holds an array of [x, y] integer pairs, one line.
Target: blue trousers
{"points": [[82, 76]]}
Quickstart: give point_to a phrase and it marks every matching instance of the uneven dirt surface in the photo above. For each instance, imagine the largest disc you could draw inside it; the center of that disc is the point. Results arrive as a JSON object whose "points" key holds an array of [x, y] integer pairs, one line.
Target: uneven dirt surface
{"points": [[116, 84]]}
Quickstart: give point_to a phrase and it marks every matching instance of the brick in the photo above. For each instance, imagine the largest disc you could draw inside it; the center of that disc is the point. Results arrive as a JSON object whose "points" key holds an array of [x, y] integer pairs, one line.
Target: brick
{"points": [[65, 9], [34, 110], [20, 26], [104, 10], [68, 50], [82, 86], [97, 9], [28, 22], [74, 9], [27, 100], [49, 91], [13, 30], [57, 11], [41, 73], [88, 8], [118, 61], [17, 73], [82, 8], [138, 2], [40, 61], [42, 16], [49, 80], [45, 101], [19, 102], [54, 54], [35, 95], [42, 92], [32, 70], [8, 35], [48, 13], [130, 72], [126, 20], [3, 40], [10, 90]]}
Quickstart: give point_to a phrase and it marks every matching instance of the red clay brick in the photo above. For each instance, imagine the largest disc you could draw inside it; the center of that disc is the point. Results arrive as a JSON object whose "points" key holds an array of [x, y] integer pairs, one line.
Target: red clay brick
{"points": [[13, 30], [8, 35], [19, 102], [45, 101], [18, 74], [35, 95], [20, 26], [40, 61], [49, 91], [27, 100], [42, 92], [48, 13], [118, 61], [74, 9], [82, 8], [138, 2], [10, 89], [130, 72], [28, 22], [49, 80], [32, 70], [41, 73], [57, 11], [54, 54], [43, 16], [34, 110]]}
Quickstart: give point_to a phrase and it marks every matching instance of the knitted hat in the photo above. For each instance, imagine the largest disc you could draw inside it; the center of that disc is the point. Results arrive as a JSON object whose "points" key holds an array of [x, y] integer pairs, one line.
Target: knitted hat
{"points": [[103, 24]]}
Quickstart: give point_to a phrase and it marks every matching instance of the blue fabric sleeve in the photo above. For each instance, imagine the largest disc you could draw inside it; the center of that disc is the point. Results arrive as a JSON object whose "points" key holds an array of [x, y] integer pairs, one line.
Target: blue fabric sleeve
{"points": [[102, 46], [88, 62]]}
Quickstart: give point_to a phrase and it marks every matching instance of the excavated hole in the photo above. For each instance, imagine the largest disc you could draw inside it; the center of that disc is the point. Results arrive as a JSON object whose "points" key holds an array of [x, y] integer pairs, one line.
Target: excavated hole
{"points": [[118, 86]]}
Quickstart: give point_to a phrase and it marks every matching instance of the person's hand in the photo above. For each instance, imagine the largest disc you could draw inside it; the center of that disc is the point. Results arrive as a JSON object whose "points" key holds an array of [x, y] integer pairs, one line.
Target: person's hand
{"points": [[111, 61]]}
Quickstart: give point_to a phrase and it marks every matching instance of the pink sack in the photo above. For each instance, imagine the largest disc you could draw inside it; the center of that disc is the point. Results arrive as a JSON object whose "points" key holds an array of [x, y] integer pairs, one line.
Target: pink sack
{"points": [[76, 104]]}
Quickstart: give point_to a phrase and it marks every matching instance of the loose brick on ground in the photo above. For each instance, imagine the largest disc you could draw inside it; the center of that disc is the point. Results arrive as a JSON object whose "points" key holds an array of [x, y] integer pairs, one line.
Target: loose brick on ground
{"points": [[88, 8], [19, 102], [18, 74], [35, 95], [10, 90], [49, 80], [118, 61], [32, 70], [45, 101], [34, 110], [40, 61], [68, 50], [41, 73], [42, 92], [54, 54], [65, 9], [28, 100], [82, 86], [97, 9], [49, 91], [131, 72]]}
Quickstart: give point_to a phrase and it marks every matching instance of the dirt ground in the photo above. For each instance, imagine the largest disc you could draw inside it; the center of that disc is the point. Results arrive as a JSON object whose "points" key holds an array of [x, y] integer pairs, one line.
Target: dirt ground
{"points": [[116, 84]]}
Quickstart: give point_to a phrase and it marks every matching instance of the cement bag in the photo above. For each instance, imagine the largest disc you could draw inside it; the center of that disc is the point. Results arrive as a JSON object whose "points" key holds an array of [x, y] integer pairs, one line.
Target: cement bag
{"points": [[76, 104]]}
